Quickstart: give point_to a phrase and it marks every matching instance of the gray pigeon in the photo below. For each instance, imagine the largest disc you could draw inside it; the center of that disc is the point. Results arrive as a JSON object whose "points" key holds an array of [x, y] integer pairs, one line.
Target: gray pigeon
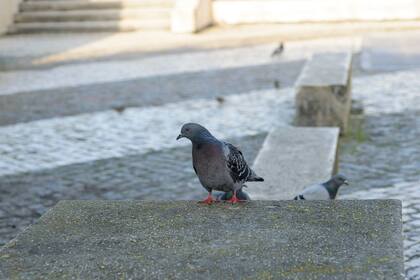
{"points": [[220, 166], [278, 50], [324, 191]]}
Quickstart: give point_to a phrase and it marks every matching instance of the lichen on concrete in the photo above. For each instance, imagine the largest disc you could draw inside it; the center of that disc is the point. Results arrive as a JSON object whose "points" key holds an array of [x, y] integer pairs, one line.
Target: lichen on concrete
{"points": [[185, 240]]}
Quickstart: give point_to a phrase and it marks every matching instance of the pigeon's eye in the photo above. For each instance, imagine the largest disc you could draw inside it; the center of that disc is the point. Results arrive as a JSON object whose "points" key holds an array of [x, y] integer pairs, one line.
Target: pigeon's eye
{"points": [[187, 130]]}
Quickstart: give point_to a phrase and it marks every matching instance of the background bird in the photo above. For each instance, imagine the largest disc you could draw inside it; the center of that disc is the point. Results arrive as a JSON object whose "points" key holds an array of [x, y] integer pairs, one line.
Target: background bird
{"points": [[279, 50], [219, 165], [324, 191]]}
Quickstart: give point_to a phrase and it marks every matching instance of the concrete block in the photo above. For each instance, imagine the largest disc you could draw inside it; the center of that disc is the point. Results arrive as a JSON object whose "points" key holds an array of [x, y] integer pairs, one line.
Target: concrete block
{"points": [[190, 16], [186, 240], [292, 158], [323, 91], [8, 8]]}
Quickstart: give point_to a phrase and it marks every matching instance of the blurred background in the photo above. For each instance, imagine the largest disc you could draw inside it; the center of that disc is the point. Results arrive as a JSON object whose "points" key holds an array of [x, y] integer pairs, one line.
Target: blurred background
{"points": [[94, 92]]}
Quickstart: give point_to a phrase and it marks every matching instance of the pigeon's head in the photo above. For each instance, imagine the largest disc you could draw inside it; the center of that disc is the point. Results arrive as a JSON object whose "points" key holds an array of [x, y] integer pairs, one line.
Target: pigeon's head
{"points": [[194, 132], [339, 179]]}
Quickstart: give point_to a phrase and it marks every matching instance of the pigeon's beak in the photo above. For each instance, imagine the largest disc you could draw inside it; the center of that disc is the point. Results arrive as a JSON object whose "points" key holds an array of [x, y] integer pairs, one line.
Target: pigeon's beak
{"points": [[346, 182], [179, 137]]}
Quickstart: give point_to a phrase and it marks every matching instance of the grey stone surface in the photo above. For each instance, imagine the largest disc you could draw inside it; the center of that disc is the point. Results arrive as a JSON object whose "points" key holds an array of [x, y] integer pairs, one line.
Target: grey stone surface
{"points": [[292, 158], [323, 91], [186, 240]]}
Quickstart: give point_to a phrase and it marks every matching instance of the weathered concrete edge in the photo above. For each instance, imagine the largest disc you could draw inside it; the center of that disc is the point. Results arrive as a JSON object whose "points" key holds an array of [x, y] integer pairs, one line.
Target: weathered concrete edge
{"points": [[325, 103], [47, 213], [332, 158], [190, 16], [347, 62]]}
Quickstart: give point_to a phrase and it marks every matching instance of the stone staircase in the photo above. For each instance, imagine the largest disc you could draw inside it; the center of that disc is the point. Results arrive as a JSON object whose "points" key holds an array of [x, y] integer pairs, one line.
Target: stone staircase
{"points": [[91, 15]]}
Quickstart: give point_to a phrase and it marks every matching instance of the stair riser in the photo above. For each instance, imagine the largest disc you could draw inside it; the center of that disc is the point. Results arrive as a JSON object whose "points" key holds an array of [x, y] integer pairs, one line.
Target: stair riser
{"points": [[78, 5], [86, 27], [62, 17]]}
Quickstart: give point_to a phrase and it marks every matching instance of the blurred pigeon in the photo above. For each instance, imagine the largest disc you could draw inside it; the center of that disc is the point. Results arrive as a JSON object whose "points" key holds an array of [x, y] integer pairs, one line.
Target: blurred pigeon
{"points": [[240, 194], [324, 191], [278, 51], [220, 166], [220, 99]]}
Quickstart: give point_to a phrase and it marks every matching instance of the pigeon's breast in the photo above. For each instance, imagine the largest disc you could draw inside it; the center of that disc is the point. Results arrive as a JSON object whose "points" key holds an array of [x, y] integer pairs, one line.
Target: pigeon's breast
{"points": [[210, 163]]}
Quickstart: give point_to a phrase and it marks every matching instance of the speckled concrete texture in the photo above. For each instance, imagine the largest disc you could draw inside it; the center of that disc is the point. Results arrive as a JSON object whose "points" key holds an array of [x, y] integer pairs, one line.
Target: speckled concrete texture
{"points": [[186, 240]]}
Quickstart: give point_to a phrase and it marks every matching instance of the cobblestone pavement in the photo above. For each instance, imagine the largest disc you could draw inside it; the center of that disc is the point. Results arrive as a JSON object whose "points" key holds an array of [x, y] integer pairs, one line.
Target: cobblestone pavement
{"points": [[165, 174], [143, 92], [169, 64], [106, 155], [62, 141], [382, 157]]}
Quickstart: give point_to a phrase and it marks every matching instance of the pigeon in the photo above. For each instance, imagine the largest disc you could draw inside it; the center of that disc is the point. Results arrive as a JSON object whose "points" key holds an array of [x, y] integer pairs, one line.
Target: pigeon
{"points": [[219, 165], [240, 194], [325, 191], [277, 51]]}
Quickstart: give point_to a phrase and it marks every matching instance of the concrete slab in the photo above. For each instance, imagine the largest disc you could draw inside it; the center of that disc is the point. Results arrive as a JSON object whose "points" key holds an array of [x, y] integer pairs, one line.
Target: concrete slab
{"points": [[292, 158], [186, 240], [323, 91]]}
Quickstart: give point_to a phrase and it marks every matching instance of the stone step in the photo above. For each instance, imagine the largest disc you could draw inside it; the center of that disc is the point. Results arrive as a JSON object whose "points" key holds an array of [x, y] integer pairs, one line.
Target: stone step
{"points": [[185, 240], [65, 5], [89, 26], [93, 15], [292, 158], [323, 91]]}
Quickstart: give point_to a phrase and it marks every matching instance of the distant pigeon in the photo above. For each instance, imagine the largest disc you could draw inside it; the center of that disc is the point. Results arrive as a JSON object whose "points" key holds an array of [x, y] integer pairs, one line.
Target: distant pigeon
{"points": [[240, 194], [220, 99], [324, 191], [220, 166], [278, 51]]}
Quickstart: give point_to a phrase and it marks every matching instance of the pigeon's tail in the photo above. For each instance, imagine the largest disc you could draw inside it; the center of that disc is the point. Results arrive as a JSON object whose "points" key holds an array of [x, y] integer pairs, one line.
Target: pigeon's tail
{"points": [[255, 178]]}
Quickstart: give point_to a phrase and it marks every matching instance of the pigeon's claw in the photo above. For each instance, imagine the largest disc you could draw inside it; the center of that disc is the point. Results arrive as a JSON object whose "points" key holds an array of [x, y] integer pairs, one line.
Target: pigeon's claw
{"points": [[234, 199], [209, 200]]}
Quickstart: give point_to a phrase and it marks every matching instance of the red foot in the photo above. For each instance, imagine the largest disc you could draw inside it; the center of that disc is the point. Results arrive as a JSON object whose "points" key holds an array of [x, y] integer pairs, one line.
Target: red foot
{"points": [[209, 200], [234, 199]]}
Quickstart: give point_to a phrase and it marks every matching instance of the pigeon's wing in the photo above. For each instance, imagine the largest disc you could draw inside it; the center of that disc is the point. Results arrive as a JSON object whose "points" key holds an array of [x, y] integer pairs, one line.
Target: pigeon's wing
{"points": [[235, 161], [315, 192]]}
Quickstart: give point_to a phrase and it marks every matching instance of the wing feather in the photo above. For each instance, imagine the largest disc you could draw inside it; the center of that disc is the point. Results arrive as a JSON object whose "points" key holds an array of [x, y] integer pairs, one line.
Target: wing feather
{"points": [[238, 168]]}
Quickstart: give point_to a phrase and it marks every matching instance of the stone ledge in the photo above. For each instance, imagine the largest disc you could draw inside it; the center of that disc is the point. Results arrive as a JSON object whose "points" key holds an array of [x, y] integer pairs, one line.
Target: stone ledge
{"points": [[292, 158], [186, 240], [323, 91]]}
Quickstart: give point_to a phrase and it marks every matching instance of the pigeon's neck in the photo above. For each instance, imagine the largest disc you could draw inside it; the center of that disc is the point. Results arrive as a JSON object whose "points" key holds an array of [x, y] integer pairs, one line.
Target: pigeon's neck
{"points": [[204, 137]]}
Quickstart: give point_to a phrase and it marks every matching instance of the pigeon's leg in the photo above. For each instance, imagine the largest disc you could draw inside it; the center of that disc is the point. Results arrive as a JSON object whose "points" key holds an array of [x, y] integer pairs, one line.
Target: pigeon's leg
{"points": [[209, 200], [234, 199]]}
